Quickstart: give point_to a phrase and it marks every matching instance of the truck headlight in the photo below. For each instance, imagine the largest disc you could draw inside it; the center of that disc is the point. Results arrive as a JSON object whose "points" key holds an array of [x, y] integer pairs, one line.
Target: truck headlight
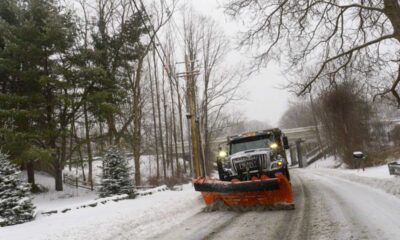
{"points": [[276, 164], [273, 145], [222, 154]]}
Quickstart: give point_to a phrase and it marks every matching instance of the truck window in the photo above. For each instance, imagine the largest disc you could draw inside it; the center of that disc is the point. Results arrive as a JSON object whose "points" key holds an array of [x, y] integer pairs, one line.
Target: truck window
{"points": [[249, 144]]}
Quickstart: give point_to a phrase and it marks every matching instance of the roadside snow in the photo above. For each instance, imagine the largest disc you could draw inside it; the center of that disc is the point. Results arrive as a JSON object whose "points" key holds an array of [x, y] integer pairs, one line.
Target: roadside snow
{"points": [[53, 199], [356, 210], [377, 177], [329, 162], [375, 172], [138, 218]]}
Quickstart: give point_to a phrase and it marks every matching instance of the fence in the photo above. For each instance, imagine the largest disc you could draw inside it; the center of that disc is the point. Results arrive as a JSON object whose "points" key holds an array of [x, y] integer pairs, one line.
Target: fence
{"points": [[76, 182]]}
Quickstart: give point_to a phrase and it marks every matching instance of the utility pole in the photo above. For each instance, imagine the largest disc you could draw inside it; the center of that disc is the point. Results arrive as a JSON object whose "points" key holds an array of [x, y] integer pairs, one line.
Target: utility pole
{"points": [[192, 116]]}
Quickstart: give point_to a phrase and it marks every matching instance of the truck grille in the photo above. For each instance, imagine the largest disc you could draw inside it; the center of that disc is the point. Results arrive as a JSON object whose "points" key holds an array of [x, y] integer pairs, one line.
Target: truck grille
{"points": [[251, 162]]}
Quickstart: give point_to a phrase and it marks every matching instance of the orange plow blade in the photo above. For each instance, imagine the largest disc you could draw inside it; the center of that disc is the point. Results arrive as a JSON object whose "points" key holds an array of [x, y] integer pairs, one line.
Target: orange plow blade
{"points": [[262, 191]]}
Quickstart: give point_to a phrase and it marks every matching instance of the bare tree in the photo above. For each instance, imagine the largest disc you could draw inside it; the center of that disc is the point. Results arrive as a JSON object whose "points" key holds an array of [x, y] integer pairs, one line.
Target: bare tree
{"points": [[160, 135], [216, 87], [214, 48], [328, 35], [154, 114], [346, 117]]}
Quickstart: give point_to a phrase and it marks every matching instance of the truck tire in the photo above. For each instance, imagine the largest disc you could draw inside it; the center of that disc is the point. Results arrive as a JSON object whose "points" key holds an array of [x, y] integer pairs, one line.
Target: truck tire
{"points": [[286, 173]]}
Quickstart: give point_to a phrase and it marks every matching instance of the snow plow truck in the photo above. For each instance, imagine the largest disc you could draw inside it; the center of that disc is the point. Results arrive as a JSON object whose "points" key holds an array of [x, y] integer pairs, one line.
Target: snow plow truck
{"points": [[253, 172]]}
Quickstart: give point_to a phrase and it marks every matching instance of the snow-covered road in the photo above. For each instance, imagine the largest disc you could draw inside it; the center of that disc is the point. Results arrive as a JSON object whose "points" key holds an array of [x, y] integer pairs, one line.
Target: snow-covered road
{"points": [[330, 204], [327, 207]]}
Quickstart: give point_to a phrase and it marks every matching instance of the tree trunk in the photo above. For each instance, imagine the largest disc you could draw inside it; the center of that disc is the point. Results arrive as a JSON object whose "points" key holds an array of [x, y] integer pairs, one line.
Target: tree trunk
{"points": [[88, 146], [82, 164], [154, 123], [392, 11], [30, 169], [178, 168], [63, 149], [169, 162], [58, 176], [137, 122], [206, 132], [101, 137], [159, 117], [71, 143]]}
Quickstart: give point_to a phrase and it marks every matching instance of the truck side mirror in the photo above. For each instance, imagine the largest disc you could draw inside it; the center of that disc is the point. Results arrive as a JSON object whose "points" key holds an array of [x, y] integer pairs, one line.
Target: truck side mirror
{"points": [[285, 142], [358, 155]]}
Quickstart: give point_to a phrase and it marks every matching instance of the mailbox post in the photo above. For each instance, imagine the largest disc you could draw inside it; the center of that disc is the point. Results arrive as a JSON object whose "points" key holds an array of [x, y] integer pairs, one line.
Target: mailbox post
{"points": [[359, 156]]}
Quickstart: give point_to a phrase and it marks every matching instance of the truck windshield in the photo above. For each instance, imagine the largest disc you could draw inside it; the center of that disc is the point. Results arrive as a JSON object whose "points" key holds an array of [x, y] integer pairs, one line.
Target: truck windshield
{"points": [[248, 144]]}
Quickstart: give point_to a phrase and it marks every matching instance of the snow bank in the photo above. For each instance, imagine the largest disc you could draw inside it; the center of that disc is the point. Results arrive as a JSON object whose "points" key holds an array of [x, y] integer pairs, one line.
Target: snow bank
{"points": [[54, 199], [390, 184], [139, 218], [329, 162], [381, 171], [377, 177], [152, 190]]}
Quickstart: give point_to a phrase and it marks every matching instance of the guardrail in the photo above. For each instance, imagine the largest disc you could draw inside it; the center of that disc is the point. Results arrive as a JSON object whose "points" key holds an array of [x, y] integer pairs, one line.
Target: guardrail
{"points": [[394, 168]]}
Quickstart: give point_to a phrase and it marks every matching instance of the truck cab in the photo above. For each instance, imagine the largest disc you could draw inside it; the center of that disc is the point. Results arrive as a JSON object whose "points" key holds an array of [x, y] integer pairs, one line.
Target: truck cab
{"points": [[254, 154]]}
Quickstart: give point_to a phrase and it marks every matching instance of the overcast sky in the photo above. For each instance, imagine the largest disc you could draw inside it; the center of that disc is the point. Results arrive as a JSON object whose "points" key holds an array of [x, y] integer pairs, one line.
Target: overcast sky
{"points": [[265, 100]]}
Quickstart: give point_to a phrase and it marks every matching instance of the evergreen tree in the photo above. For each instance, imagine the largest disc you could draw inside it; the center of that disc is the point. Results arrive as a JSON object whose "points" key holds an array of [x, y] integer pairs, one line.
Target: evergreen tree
{"points": [[115, 179], [34, 92], [15, 200]]}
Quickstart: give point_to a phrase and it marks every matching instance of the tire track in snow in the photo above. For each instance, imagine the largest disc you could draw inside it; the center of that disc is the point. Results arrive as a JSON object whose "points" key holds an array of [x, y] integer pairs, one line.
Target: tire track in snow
{"points": [[279, 224], [327, 207], [200, 226], [360, 211], [296, 224]]}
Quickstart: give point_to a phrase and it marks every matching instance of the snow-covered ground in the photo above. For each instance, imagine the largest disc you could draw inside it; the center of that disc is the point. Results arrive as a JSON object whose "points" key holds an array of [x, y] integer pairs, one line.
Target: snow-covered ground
{"points": [[53, 199], [138, 218], [375, 172], [331, 203], [80, 214], [327, 207]]}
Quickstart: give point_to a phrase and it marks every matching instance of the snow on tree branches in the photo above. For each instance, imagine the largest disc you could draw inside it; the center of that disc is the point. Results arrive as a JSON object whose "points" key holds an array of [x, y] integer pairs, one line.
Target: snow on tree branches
{"points": [[15, 199], [115, 179]]}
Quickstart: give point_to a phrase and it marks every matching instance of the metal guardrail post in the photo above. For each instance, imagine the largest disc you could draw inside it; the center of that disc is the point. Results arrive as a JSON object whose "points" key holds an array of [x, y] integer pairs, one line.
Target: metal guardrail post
{"points": [[293, 160], [299, 153]]}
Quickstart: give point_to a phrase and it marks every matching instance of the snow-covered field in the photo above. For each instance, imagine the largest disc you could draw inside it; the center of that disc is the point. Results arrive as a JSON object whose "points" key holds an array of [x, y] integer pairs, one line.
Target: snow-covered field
{"points": [[137, 218]]}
